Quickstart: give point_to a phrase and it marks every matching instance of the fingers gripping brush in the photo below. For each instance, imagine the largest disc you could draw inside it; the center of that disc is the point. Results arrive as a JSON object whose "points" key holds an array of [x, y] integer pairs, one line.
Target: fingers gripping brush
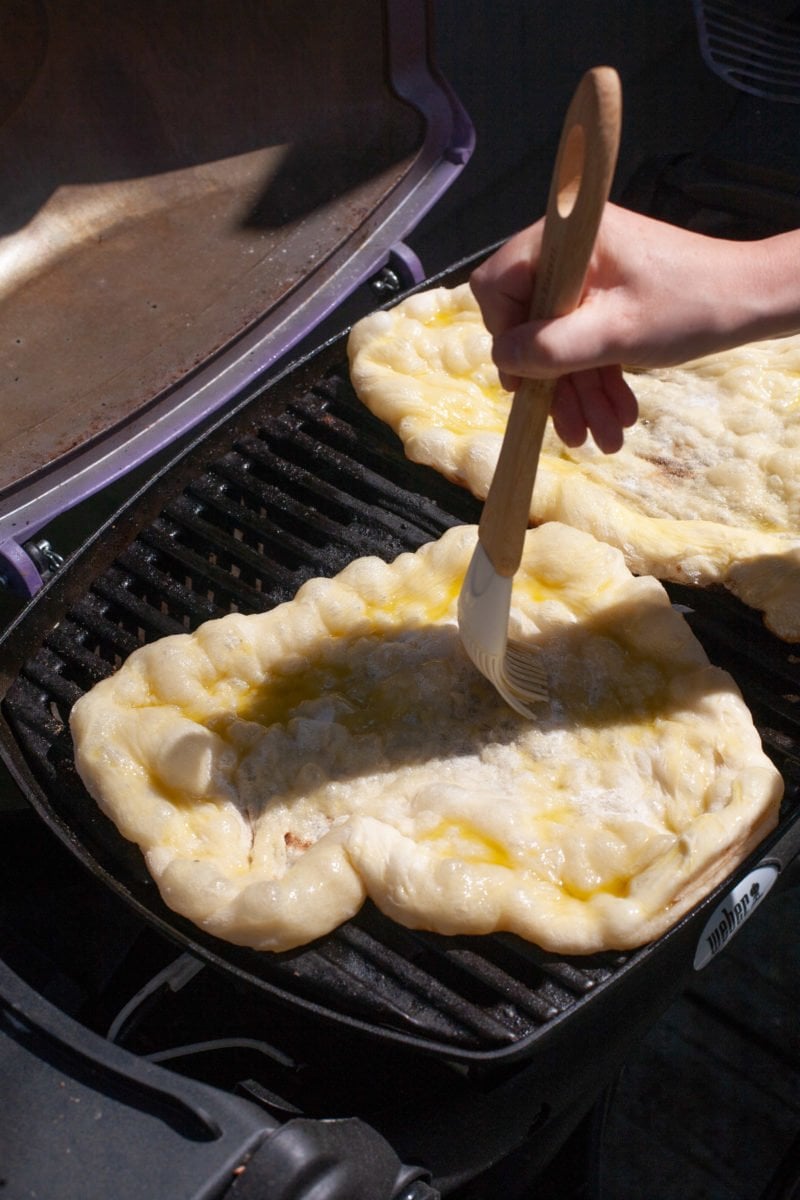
{"points": [[579, 188]]}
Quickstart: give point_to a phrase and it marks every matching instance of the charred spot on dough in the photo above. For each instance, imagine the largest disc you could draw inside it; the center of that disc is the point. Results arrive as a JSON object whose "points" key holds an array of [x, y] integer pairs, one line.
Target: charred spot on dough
{"points": [[293, 842], [670, 466]]}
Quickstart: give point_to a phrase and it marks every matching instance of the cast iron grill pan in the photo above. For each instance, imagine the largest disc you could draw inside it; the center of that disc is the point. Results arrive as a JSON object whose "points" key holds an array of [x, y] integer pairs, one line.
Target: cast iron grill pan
{"points": [[296, 482]]}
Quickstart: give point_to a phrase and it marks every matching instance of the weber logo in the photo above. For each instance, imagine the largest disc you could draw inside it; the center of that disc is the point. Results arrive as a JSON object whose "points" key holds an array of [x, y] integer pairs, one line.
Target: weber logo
{"points": [[731, 913]]}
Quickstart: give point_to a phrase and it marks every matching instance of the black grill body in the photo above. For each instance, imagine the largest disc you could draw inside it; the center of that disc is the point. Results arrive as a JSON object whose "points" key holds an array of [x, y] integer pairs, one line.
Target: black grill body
{"points": [[295, 482]]}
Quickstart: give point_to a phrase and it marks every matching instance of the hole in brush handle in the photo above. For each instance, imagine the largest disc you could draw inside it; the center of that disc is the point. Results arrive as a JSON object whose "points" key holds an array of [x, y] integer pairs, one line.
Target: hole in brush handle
{"points": [[571, 172]]}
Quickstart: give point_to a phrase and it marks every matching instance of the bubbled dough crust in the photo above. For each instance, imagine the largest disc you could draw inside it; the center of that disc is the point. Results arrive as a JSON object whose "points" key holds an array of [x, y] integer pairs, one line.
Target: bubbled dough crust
{"points": [[705, 490], [277, 769]]}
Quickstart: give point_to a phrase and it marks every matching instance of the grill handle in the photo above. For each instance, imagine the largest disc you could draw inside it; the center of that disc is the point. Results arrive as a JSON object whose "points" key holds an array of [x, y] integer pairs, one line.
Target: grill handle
{"points": [[343, 1159]]}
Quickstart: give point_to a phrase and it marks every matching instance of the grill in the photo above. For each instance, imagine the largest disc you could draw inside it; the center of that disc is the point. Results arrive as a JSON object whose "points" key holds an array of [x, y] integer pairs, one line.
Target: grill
{"points": [[295, 483], [378, 1063], [306, 481]]}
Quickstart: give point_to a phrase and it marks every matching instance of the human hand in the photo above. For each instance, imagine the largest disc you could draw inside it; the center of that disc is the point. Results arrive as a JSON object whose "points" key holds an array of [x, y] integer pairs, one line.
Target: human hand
{"points": [[655, 295]]}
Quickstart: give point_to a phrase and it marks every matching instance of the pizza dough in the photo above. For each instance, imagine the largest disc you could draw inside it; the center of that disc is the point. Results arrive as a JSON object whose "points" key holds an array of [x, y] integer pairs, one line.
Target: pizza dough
{"points": [[277, 769], [705, 490]]}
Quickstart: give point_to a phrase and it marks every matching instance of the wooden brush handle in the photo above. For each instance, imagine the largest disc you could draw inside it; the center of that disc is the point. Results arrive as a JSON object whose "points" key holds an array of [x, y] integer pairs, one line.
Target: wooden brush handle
{"points": [[584, 168]]}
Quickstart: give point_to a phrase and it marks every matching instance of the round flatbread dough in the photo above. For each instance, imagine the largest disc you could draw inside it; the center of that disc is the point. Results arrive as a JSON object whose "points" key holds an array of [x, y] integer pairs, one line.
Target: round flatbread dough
{"points": [[277, 769]]}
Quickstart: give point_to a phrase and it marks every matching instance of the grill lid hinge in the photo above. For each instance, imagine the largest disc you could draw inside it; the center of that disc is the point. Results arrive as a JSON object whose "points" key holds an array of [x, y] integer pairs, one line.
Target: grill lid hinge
{"points": [[24, 569]]}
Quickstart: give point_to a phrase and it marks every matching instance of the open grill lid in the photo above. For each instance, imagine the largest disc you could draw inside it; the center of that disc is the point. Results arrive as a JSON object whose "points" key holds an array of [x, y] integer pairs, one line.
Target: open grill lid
{"points": [[298, 481], [190, 189]]}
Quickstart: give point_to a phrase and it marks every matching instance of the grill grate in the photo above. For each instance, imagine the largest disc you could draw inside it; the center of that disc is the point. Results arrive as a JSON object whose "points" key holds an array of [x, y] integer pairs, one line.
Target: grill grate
{"points": [[297, 483]]}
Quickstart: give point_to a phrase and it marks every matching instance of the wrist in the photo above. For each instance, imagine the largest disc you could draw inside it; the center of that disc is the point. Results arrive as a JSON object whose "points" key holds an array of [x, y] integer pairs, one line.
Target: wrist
{"points": [[766, 287]]}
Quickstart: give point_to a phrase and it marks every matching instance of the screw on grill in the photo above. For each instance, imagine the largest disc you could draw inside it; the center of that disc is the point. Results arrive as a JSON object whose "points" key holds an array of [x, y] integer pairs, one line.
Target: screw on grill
{"points": [[45, 558]]}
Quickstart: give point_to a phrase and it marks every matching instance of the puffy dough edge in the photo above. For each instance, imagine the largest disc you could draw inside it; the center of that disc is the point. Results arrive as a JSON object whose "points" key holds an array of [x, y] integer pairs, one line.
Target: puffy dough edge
{"points": [[320, 892], [415, 888], [761, 569]]}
